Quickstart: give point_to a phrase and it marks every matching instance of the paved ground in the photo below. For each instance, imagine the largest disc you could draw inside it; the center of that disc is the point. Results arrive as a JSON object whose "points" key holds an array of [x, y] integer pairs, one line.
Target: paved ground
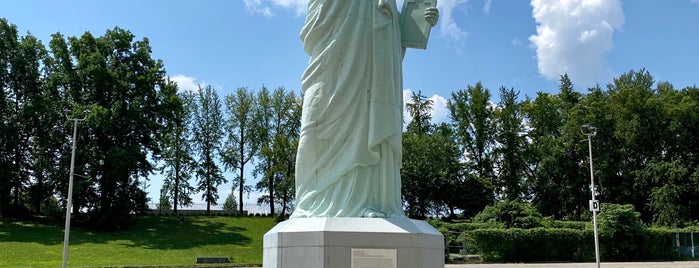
{"points": [[686, 264]]}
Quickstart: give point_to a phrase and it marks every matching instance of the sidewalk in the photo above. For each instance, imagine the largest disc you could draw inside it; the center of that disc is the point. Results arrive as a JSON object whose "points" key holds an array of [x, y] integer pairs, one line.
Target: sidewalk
{"points": [[679, 264]]}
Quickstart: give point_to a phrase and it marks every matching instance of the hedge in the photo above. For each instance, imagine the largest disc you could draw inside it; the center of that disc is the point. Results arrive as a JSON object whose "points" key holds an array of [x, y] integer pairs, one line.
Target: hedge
{"points": [[566, 245], [532, 245]]}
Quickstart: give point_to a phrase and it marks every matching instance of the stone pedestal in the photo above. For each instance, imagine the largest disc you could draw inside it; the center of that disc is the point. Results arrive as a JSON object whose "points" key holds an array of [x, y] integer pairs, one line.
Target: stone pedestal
{"points": [[353, 243]]}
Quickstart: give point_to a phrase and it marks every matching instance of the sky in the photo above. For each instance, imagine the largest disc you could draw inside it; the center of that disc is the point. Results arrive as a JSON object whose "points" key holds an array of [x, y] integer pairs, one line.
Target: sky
{"points": [[520, 44]]}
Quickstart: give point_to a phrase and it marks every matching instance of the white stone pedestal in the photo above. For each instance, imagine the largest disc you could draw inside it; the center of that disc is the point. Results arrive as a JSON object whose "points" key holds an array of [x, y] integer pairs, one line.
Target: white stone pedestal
{"points": [[353, 243]]}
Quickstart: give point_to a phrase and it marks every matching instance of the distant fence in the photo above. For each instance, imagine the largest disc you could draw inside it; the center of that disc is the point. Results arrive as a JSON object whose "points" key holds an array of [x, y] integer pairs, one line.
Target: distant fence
{"points": [[200, 208], [686, 244]]}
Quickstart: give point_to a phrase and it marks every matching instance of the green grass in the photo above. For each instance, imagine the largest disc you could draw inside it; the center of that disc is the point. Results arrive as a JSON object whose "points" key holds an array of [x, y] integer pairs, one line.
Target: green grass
{"points": [[152, 241]]}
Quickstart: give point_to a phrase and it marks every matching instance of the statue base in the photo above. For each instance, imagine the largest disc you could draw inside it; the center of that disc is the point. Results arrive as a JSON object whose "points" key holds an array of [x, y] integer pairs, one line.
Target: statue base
{"points": [[353, 243]]}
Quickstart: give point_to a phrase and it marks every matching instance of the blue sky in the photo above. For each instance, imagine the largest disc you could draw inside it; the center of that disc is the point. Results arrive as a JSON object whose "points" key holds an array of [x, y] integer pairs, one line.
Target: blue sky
{"points": [[517, 44]]}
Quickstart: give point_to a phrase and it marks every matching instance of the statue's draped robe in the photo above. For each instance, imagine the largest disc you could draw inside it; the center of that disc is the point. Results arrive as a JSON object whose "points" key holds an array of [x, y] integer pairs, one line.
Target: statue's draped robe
{"points": [[349, 154]]}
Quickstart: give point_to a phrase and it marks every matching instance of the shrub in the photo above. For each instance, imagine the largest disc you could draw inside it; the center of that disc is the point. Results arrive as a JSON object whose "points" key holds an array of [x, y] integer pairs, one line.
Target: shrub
{"points": [[620, 232], [513, 214], [532, 245]]}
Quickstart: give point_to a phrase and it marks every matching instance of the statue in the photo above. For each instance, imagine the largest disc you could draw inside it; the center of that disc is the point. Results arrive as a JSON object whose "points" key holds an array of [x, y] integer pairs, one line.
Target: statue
{"points": [[349, 154]]}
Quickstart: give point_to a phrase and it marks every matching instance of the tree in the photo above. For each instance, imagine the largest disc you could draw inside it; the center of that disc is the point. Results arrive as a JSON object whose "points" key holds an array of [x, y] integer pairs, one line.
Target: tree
{"points": [[472, 115], [117, 80], [280, 123], [430, 161], [230, 205], [640, 127], [24, 108], [419, 108], [46, 121], [8, 40], [511, 146], [177, 149], [243, 142], [208, 120], [164, 202]]}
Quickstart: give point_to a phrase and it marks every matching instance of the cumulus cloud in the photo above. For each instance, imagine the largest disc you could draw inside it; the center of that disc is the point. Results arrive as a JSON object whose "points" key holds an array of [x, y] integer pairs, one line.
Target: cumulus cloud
{"points": [[299, 6], [185, 82], [447, 24], [265, 7], [258, 7], [439, 107], [575, 37]]}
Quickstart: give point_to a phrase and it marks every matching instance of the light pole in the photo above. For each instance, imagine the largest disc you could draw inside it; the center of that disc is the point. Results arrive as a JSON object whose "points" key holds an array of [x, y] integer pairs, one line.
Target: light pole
{"points": [[69, 205], [590, 131]]}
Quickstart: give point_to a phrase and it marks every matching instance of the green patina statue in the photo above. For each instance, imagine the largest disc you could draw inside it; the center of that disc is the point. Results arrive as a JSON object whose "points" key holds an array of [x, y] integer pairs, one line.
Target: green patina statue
{"points": [[349, 154]]}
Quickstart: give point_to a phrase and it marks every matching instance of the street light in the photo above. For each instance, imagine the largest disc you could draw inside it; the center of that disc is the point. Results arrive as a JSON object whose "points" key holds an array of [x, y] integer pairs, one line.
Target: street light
{"points": [[590, 131], [69, 205]]}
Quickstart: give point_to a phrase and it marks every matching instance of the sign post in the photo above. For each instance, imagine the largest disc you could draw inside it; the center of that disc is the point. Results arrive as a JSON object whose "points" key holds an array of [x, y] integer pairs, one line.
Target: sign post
{"points": [[590, 131]]}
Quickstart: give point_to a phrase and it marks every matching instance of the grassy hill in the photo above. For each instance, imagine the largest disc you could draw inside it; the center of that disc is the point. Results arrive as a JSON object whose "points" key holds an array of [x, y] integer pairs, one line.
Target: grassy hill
{"points": [[152, 241]]}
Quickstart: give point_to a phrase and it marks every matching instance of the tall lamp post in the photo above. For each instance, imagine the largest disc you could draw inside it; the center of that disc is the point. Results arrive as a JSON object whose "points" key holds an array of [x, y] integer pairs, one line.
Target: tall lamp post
{"points": [[69, 204], [590, 131]]}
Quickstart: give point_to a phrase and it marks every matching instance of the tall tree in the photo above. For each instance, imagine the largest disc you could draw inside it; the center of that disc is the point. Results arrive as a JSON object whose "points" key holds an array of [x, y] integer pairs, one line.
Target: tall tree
{"points": [[640, 129], [116, 78], [511, 149], [243, 136], [207, 123], [471, 112], [419, 109], [278, 131], [8, 43], [554, 159], [43, 116], [416, 172], [177, 149], [284, 149], [431, 160], [20, 81]]}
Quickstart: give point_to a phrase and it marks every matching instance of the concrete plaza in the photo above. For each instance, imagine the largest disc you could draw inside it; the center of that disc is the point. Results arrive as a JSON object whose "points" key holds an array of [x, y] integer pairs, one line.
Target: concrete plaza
{"points": [[678, 264]]}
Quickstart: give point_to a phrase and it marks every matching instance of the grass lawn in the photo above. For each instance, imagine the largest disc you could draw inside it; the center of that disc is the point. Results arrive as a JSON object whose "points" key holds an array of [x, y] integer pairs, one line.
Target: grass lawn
{"points": [[152, 241]]}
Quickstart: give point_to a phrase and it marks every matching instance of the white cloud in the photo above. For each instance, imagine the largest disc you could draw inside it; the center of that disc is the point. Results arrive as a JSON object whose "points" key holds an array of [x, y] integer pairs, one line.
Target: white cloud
{"points": [[439, 112], [516, 42], [439, 109], [185, 82], [265, 7], [447, 25], [575, 37], [486, 6], [299, 6]]}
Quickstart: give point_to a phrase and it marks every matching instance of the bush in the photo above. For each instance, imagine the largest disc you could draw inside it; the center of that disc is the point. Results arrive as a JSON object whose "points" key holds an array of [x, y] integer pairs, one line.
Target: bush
{"points": [[513, 214], [549, 222], [658, 244], [620, 232], [532, 245], [230, 206]]}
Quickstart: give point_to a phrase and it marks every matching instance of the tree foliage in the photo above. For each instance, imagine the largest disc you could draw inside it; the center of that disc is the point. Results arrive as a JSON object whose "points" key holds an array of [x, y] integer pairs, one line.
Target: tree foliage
{"points": [[178, 152], [280, 115], [208, 133], [645, 150], [243, 126]]}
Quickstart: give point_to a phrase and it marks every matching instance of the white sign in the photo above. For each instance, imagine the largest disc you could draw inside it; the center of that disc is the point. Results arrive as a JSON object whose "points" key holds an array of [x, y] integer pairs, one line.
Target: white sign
{"points": [[594, 205], [374, 258]]}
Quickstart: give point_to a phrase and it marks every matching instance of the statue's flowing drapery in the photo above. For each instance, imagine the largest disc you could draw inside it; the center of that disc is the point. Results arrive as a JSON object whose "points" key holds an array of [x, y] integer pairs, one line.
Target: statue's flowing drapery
{"points": [[349, 153]]}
